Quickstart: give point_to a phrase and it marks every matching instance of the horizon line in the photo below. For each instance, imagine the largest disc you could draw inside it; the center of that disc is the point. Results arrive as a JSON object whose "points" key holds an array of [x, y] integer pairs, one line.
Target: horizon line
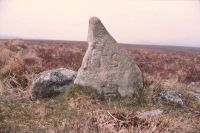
{"points": [[123, 43]]}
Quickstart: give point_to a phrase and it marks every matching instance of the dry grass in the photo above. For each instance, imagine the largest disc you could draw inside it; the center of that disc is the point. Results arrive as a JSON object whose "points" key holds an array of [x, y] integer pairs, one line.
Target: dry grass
{"points": [[79, 109]]}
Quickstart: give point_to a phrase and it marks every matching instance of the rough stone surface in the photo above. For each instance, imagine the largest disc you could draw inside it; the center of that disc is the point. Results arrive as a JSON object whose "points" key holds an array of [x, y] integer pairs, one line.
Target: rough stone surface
{"points": [[195, 94], [194, 90], [193, 86], [170, 96], [153, 113], [52, 82], [105, 68]]}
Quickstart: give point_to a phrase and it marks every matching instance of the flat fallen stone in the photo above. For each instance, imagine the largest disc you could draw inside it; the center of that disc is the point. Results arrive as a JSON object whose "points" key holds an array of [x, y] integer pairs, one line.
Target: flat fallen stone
{"points": [[170, 96], [106, 68], [153, 113]]}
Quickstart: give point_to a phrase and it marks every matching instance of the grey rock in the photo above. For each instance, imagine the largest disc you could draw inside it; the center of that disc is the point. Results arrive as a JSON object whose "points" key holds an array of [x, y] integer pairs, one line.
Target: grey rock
{"points": [[170, 96], [194, 90], [193, 86], [52, 82], [195, 94], [153, 113], [105, 68]]}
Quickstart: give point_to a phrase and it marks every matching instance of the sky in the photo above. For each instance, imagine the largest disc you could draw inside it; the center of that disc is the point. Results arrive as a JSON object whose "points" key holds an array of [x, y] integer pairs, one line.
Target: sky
{"points": [[157, 22]]}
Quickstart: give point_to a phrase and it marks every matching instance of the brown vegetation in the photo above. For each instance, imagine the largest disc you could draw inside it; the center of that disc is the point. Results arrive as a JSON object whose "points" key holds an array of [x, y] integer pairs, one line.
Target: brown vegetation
{"points": [[166, 64], [159, 63], [79, 110]]}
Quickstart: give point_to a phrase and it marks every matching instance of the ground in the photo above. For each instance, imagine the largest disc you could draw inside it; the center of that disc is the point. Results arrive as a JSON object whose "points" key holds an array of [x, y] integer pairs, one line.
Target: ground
{"points": [[79, 109]]}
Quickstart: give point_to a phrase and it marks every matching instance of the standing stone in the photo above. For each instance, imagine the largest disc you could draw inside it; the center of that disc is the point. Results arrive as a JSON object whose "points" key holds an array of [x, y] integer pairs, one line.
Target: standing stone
{"points": [[105, 68]]}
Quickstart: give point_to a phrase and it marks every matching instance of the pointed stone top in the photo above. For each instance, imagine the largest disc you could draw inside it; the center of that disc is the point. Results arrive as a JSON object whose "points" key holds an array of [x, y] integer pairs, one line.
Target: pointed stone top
{"points": [[97, 31], [94, 20]]}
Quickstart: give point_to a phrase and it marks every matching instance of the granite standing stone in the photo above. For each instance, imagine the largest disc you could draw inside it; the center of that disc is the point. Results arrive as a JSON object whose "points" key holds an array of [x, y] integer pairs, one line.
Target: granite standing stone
{"points": [[106, 68]]}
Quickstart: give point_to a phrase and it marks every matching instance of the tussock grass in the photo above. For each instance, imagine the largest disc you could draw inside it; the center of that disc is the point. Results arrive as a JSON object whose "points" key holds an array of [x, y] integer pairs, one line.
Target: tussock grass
{"points": [[78, 110], [75, 90]]}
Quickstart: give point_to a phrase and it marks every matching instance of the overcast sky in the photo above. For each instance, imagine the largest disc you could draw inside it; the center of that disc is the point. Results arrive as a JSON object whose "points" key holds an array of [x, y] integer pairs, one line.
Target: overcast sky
{"points": [[160, 22]]}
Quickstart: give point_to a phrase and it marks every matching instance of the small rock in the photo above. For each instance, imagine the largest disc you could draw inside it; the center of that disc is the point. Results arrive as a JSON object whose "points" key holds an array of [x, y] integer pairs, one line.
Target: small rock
{"points": [[52, 82], [146, 114], [196, 94], [194, 90], [193, 86], [170, 96]]}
